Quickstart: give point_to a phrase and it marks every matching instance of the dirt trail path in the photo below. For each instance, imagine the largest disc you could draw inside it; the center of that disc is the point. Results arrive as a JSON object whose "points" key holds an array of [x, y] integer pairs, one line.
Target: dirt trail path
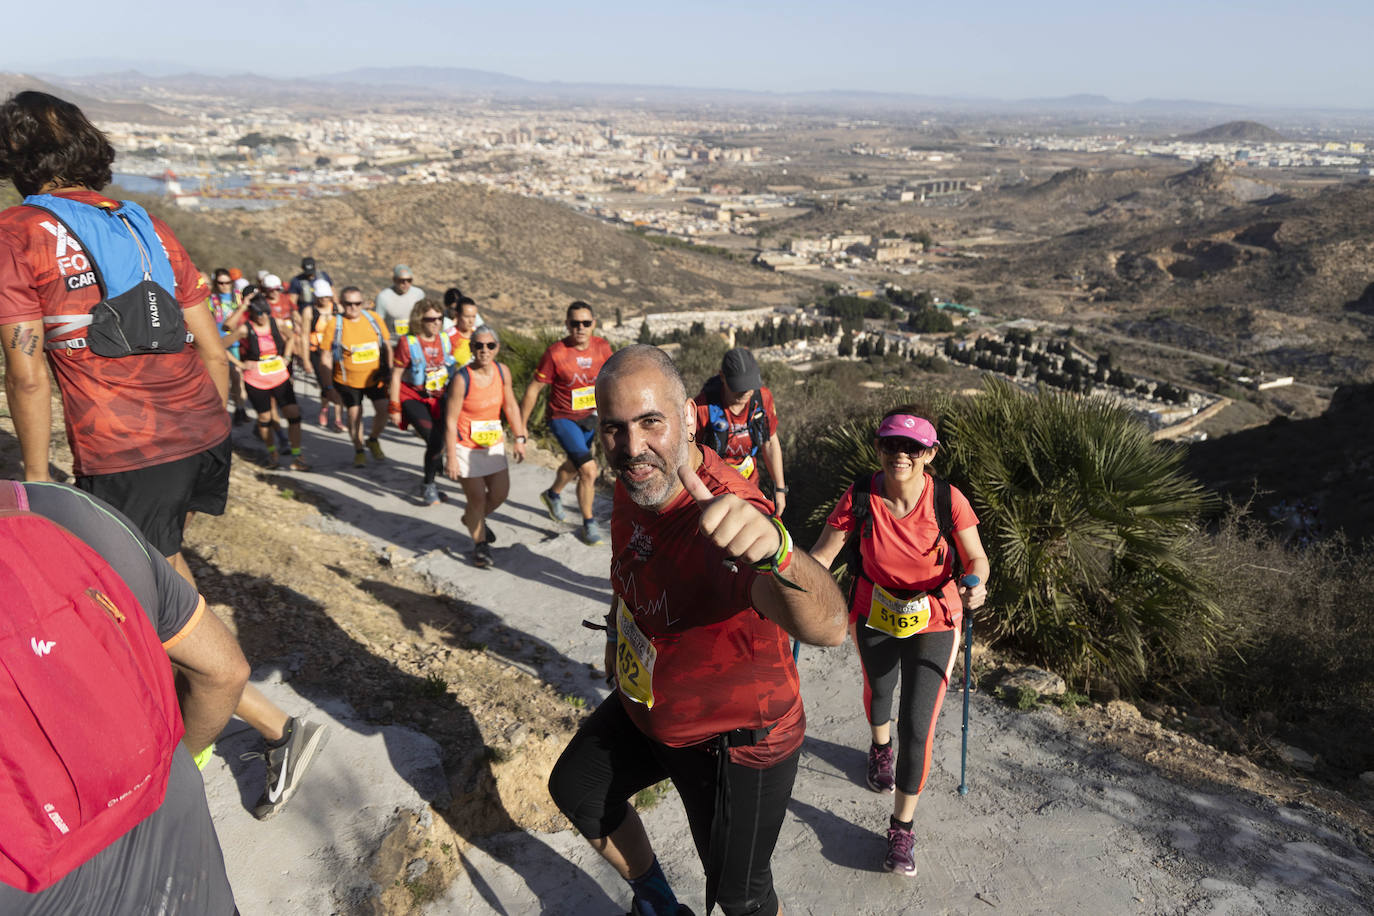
{"points": [[1057, 821]]}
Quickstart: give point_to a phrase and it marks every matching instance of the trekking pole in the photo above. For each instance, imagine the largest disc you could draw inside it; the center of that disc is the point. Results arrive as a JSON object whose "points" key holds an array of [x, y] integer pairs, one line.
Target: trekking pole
{"points": [[796, 650], [968, 581]]}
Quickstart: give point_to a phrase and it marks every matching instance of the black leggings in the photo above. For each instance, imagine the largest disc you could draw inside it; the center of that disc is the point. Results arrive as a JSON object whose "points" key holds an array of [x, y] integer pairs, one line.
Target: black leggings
{"points": [[610, 759], [924, 661], [418, 418]]}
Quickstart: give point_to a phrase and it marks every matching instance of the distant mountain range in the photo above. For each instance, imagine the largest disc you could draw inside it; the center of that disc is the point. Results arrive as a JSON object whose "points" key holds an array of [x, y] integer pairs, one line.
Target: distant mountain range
{"points": [[429, 82], [95, 108]]}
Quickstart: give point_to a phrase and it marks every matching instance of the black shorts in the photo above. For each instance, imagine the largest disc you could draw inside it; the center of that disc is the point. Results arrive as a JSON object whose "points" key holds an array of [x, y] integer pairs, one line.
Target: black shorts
{"points": [[610, 759], [157, 498], [354, 397], [262, 398]]}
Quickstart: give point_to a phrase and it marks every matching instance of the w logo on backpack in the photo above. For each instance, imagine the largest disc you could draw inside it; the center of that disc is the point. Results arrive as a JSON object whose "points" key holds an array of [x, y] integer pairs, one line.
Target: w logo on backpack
{"points": [[89, 708]]}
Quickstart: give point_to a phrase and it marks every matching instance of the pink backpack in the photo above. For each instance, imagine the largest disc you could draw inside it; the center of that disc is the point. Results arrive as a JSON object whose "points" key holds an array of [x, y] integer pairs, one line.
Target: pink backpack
{"points": [[86, 697]]}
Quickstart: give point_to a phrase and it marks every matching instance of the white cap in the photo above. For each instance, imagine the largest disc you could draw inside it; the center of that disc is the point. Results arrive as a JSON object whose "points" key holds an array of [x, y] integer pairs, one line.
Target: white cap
{"points": [[240, 284], [271, 281], [262, 275], [322, 288]]}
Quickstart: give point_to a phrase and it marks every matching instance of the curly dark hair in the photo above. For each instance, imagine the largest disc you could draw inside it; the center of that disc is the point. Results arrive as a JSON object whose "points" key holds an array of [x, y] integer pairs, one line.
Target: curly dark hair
{"points": [[44, 139]]}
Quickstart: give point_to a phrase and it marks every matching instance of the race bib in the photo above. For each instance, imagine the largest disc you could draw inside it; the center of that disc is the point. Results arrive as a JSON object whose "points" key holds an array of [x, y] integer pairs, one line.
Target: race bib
{"points": [[269, 364], [895, 617], [436, 379], [486, 433], [584, 398], [746, 467], [363, 354], [402, 327], [634, 658]]}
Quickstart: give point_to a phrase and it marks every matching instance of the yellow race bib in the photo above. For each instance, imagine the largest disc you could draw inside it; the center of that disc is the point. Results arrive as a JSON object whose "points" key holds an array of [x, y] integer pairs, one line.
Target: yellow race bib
{"points": [[269, 364], [895, 617], [436, 379], [363, 354], [634, 658], [486, 433], [402, 327], [584, 398], [746, 467]]}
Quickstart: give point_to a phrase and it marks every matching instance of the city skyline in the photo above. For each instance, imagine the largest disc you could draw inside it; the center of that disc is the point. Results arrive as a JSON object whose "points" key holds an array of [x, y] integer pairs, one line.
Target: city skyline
{"points": [[1257, 54]]}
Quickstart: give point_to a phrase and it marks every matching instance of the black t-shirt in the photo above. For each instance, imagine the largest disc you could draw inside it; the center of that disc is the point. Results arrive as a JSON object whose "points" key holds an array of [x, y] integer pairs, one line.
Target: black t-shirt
{"points": [[171, 862]]}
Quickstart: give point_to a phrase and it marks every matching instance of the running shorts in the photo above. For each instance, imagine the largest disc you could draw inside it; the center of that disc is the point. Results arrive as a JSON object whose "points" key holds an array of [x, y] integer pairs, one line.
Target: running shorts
{"points": [[262, 398], [157, 498], [354, 397], [575, 439]]}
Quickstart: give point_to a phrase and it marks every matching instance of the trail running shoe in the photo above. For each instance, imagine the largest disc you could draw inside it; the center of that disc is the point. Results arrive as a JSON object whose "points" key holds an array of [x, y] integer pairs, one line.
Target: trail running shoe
{"points": [[287, 763], [270, 460], [430, 496], [880, 777], [335, 426], [490, 537], [901, 852], [591, 533], [376, 448], [553, 502], [481, 556], [298, 464], [360, 459]]}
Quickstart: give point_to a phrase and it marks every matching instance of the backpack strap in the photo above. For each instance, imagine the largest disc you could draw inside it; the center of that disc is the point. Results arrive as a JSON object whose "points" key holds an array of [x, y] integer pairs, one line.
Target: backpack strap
{"points": [[757, 420], [13, 495], [944, 518], [861, 511], [337, 349]]}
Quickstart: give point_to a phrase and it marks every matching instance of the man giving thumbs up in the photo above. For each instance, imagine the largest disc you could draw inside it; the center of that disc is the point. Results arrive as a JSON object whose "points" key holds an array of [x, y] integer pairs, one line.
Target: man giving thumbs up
{"points": [[707, 590]]}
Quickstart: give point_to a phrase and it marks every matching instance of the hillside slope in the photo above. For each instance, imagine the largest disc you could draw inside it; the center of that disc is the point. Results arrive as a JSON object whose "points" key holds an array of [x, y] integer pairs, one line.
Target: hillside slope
{"points": [[520, 257]]}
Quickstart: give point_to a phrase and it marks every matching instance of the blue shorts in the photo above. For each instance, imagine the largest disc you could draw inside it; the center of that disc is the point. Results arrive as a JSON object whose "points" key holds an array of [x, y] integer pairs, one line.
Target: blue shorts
{"points": [[576, 441]]}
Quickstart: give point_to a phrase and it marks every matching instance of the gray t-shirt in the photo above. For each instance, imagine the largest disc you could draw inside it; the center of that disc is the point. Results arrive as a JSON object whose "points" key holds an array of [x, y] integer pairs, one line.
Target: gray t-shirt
{"points": [[170, 864], [394, 306]]}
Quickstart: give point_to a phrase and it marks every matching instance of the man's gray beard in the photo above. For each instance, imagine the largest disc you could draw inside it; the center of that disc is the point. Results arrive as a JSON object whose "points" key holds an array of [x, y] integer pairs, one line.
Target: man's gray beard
{"points": [[651, 496]]}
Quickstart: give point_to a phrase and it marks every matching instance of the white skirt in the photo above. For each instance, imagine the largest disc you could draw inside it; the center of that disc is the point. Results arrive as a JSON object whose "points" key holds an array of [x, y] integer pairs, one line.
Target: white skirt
{"points": [[481, 462]]}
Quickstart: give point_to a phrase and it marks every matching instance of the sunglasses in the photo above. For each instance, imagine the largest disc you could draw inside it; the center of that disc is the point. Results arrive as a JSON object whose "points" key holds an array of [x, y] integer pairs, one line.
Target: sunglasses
{"points": [[404, 280], [901, 444], [573, 323], [433, 318], [489, 345], [348, 302], [223, 282]]}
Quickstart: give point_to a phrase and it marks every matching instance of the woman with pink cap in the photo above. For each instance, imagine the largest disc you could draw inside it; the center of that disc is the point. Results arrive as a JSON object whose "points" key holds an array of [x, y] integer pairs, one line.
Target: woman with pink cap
{"points": [[913, 577]]}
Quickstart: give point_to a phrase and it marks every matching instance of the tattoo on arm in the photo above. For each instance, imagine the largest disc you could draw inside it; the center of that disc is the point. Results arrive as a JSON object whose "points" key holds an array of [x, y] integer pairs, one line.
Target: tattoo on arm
{"points": [[24, 340]]}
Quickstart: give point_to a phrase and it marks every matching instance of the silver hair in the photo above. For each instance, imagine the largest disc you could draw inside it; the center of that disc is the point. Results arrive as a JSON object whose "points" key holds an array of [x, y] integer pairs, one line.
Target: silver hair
{"points": [[633, 357], [487, 329]]}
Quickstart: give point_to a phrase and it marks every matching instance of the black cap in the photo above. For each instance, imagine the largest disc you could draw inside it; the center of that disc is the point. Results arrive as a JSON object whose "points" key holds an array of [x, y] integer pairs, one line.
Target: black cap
{"points": [[308, 265], [740, 371]]}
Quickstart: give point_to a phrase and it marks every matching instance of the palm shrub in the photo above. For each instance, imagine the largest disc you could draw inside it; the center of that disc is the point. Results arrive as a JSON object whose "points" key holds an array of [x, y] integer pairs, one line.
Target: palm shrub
{"points": [[1091, 527]]}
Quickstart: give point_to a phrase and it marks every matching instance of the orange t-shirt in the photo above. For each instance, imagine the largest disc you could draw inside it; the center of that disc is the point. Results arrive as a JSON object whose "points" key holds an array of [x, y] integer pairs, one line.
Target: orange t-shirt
{"points": [[362, 350], [479, 421], [906, 553], [571, 373], [122, 414]]}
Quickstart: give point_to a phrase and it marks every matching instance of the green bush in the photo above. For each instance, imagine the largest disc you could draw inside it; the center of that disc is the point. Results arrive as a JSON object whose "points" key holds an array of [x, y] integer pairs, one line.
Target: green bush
{"points": [[1091, 528]]}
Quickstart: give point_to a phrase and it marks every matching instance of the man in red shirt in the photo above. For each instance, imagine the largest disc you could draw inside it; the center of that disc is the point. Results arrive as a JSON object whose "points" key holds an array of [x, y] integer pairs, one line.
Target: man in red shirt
{"points": [[571, 366], [149, 432], [735, 417], [707, 590]]}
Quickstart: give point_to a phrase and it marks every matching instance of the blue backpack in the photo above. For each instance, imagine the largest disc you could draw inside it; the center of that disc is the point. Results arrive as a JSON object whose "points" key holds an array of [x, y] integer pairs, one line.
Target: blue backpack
{"points": [[138, 314], [415, 374]]}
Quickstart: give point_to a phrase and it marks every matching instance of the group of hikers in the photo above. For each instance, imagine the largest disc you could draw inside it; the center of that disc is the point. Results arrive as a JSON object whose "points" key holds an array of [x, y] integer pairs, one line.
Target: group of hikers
{"points": [[709, 589]]}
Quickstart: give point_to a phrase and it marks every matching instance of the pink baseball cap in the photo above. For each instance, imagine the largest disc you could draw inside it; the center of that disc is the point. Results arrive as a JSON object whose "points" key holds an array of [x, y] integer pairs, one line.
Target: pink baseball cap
{"points": [[909, 427]]}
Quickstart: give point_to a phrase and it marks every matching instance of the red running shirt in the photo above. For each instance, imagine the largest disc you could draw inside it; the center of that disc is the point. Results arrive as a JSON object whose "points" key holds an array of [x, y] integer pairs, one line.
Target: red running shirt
{"points": [[907, 553], [121, 414], [569, 370], [720, 665]]}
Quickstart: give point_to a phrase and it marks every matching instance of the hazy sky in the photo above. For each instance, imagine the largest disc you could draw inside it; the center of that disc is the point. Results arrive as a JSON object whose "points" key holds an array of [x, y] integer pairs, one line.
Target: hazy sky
{"points": [[1257, 52]]}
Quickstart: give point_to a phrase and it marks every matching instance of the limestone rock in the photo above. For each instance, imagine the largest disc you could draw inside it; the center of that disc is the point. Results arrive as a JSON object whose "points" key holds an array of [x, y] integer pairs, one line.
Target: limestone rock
{"points": [[1045, 683], [1296, 758]]}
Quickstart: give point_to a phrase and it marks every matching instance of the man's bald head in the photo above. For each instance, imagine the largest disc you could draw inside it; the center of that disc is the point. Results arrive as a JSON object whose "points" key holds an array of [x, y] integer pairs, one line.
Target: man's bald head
{"points": [[637, 357]]}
